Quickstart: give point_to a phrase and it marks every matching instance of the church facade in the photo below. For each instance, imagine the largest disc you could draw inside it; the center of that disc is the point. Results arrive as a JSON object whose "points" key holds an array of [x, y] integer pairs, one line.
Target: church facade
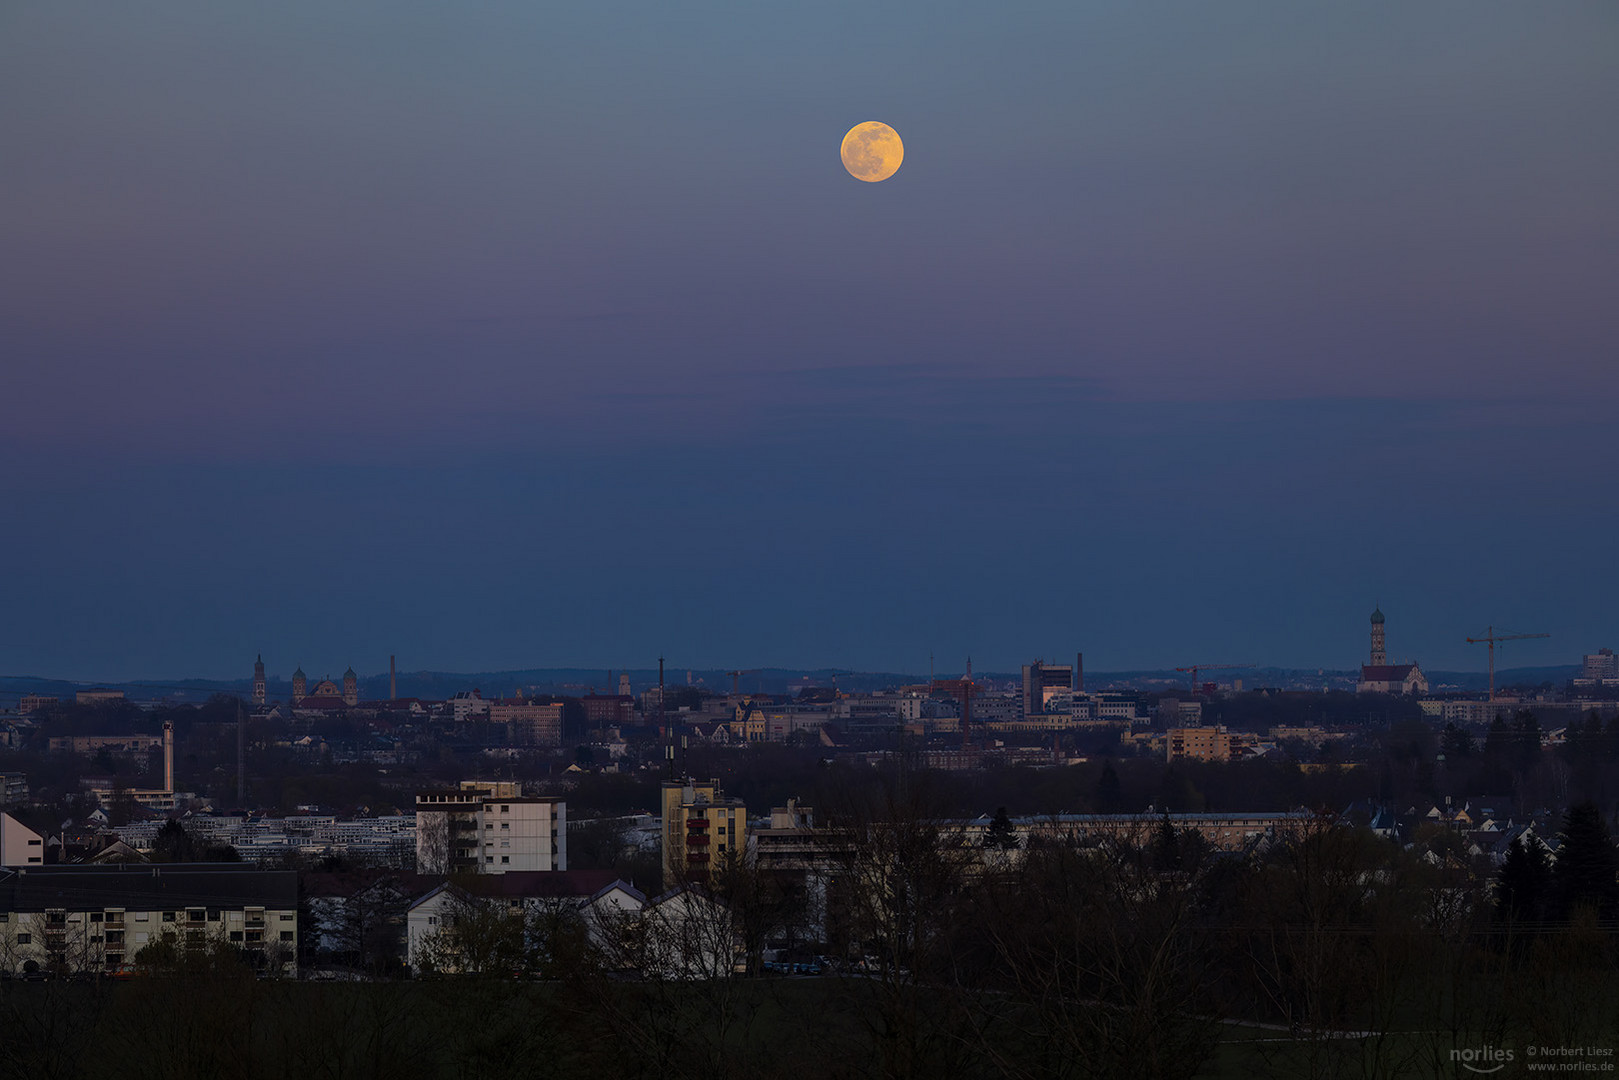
{"points": [[1381, 677], [326, 694]]}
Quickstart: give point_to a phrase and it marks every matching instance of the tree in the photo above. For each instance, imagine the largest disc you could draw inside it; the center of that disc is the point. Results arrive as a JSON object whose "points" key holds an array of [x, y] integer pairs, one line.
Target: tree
{"points": [[1524, 882], [1108, 798], [122, 808], [898, 904], [1001, 834], [1099, 968], [433, 843], [366, 921], [173, 844], [1498, 742], [1587, 868], [1525, 740], [475, 936], [1455, 742]]}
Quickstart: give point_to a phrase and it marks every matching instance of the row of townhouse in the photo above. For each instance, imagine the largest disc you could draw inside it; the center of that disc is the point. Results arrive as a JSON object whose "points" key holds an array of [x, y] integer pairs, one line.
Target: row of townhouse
{"points": [[684, 933], [97, 918]]}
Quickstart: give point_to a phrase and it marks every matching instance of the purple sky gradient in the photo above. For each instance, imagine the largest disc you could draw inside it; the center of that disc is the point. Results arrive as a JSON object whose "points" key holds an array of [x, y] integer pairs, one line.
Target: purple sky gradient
{"points": [[536, 337]]}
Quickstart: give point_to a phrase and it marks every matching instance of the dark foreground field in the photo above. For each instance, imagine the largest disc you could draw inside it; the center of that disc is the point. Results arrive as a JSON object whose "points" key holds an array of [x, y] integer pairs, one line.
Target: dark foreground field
{"points": [[227, 1024]]}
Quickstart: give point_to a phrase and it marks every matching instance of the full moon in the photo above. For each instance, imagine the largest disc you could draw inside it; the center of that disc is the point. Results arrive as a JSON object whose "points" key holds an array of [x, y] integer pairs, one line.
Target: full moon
{"points": [[872, 151]]}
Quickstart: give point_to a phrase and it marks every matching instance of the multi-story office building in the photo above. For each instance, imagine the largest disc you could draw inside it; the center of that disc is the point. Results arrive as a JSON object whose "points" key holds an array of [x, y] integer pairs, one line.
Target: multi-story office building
{"points": [[528, 723], [32, 703], [83, 918], [701, 829], [1600, 668], [489, 830], [608, 710], [1042, 682]]}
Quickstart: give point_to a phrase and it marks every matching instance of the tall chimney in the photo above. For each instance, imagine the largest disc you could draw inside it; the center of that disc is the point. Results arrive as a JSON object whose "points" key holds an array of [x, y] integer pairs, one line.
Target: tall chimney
{"points": [[168, 756], [393, 688]]}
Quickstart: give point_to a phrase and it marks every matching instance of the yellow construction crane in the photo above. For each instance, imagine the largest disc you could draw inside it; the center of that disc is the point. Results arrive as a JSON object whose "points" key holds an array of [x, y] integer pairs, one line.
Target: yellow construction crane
{"points": [[1490, 637]]}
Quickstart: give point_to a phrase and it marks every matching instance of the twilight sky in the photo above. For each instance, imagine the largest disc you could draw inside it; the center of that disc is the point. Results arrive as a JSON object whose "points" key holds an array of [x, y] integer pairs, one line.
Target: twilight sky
{"points": [[524, 334]]}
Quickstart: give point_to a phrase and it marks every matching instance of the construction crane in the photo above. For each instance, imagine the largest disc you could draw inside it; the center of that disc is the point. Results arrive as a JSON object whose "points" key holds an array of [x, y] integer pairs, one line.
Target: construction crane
{"points": [[736, 680], [1195, 668], [1490, 638]]}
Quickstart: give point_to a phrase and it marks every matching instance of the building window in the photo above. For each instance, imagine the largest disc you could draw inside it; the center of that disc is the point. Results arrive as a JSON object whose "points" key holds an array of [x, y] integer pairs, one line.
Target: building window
{"points": [[505, 809], [505, 858], [24, 939], [488, 858], [236, 935], [168, 916], [285, 917], [505, 825]]}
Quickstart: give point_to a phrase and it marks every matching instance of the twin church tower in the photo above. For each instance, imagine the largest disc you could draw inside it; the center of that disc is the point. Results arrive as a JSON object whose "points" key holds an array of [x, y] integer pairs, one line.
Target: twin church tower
{"points": [[325, 693]]}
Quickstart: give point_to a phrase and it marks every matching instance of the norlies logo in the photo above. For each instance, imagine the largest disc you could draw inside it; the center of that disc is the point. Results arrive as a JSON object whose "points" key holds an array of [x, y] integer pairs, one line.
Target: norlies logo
{"points": [[1485, 1059]]}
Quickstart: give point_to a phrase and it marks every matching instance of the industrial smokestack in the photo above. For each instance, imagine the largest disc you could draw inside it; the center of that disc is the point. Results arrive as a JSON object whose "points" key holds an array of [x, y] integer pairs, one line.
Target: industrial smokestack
{"points": [[168, 756], [393, 687]]}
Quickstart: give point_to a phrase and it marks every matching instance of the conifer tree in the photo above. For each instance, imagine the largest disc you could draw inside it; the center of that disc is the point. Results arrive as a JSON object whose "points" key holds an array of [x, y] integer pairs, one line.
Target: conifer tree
{"points": [[1523, 883], [1587, 869], [1108, 797]]}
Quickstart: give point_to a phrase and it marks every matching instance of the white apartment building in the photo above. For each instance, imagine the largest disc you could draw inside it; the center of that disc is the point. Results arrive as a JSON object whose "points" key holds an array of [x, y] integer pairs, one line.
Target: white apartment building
{"points": [[20, 845], [469, 704], [84, 918], [481, 832], [433, 919]]}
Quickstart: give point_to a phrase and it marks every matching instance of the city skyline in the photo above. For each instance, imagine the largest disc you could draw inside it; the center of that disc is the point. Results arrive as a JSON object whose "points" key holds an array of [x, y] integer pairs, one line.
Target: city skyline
{"points": [[1509, 659], [1186, 334]]}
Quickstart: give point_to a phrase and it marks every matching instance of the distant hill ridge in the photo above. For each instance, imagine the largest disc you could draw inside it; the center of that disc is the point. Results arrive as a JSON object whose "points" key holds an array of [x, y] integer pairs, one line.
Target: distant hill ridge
{"points": [[437, 685]]}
